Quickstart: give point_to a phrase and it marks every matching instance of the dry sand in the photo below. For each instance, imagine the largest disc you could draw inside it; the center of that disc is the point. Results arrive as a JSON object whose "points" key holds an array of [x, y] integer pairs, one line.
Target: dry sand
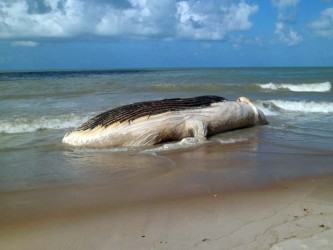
{"points": [[290, 215]]}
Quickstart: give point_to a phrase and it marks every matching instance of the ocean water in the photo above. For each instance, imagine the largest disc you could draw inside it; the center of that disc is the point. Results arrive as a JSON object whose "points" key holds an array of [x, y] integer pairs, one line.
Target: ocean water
{"points": [[37, 108]]}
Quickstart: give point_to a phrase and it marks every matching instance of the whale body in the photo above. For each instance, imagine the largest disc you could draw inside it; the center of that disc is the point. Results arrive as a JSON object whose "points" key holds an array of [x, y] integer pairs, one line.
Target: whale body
{"points": [[154, 122]]}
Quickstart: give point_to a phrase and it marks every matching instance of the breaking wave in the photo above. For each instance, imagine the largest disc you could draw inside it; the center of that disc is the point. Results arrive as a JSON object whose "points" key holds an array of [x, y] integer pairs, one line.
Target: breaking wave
{"points": [[67, 121], [297, 106], [28, 125], [195, 87], [304, 87]]}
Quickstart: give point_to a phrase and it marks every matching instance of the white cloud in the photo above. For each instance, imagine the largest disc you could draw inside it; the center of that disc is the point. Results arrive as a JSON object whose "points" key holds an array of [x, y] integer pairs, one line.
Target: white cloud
{"points": [[64, 18], [283, 26], [285, 3], [323, 26], [191, 19], [25, 43], [142, 18], [287, 35], [205, 21], [239, 41]]}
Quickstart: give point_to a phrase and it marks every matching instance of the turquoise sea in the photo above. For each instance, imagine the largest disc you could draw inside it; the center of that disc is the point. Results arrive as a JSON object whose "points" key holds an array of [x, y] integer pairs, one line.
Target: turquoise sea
{"points": [[37, 108]]}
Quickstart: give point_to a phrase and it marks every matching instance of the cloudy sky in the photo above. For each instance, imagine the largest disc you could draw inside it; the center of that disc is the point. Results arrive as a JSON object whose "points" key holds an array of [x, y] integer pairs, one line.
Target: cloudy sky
{"points": [[76, 34]]}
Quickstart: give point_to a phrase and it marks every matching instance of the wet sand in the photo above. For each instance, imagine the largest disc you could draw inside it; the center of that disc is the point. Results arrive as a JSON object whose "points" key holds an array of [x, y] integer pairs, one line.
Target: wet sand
{"points": [[246, 195]]}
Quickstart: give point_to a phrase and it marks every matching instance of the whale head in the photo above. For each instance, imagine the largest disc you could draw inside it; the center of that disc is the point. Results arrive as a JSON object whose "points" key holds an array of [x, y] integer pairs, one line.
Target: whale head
{"points": [[260, 116]]}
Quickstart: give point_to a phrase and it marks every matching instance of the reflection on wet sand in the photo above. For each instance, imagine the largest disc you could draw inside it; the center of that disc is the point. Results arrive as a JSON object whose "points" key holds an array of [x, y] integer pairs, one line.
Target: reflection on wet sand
{"points": [[105, 179], [117, 178]]}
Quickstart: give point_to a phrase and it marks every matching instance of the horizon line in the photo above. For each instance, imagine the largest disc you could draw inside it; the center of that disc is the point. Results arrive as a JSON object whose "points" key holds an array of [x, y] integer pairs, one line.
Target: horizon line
{"points": [[143, 69]]}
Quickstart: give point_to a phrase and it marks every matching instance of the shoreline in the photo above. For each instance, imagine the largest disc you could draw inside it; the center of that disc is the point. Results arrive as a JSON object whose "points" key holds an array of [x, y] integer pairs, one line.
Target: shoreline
{"points": [[291, 212]]}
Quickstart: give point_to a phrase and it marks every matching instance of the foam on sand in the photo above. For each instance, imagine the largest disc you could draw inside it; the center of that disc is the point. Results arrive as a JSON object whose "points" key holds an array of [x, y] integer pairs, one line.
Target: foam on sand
{"points": [[185, 143], [303, 87]]}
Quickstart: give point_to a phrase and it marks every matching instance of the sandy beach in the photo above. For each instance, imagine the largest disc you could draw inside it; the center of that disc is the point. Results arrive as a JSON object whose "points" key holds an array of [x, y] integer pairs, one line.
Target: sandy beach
{"points": [[243, 195], [265, 187], [290, 215]]}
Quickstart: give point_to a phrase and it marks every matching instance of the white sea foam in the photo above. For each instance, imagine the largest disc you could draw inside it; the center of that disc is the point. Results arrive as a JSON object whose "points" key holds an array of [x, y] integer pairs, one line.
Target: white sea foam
{"points": [[26, 125], [299, 106], [183, 144], [231, 140], [191, 142], [265, 109], [304, 87]]}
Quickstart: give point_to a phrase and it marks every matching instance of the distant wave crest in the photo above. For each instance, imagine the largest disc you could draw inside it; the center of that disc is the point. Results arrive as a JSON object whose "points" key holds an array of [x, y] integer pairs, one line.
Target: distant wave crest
{"points": [[304, 87], [66, 121], [28, 125], [296, 106]]}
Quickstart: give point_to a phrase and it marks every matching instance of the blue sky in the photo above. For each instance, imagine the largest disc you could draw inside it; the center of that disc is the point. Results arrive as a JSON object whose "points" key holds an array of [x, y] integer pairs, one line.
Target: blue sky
{"points": [[83, 34]]}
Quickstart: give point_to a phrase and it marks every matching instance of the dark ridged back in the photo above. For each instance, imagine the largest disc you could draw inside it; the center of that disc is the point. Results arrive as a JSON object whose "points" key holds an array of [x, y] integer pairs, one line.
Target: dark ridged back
{"points": [[136, 110]]}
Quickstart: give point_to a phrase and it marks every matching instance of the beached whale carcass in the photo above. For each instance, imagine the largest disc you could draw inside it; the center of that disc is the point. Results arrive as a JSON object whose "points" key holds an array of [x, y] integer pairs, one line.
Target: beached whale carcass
{"points": [[154, 122]]}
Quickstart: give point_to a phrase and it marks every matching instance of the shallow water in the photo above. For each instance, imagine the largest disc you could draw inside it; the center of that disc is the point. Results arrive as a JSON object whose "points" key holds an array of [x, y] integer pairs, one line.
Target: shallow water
{"points": [[37, 108]]}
